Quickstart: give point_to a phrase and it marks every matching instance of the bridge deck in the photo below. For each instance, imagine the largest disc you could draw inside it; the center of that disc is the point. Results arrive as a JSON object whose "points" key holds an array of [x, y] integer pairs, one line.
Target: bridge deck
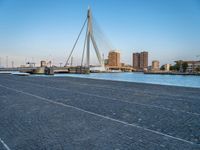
{"points": [[74, 113]]}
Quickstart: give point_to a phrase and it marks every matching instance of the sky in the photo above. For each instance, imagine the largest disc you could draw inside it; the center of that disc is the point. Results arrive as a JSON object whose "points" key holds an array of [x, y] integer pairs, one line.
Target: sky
{"points": [[34, 30]]}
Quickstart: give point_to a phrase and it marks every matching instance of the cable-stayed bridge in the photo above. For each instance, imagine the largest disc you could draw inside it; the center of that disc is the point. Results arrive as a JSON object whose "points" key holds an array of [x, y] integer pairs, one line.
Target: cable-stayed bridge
{"points": [[95, 37]]}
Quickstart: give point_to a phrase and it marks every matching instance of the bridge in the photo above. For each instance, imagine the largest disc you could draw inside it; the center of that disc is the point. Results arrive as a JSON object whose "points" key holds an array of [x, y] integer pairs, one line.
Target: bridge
{"points": [[90, 38]]}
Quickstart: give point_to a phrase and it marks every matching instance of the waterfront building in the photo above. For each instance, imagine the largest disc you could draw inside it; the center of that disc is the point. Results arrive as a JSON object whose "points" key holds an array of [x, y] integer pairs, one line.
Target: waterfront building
{"points": [[155, 65], [143, 60], [140, 60], [149, 68], [43, 63], [167, 67], [114, 58], [136, 60], [193, 66]]}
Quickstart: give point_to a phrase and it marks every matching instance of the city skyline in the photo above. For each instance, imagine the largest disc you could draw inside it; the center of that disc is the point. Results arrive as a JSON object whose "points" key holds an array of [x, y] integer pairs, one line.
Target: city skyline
{"points": [[46, 30]]}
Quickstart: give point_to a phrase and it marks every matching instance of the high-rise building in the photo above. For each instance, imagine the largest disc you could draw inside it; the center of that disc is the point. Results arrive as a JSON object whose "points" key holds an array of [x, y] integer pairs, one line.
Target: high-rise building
{"points": [[143, 60], [140, 60], [136, 60], [155, 65], [114, 58]]}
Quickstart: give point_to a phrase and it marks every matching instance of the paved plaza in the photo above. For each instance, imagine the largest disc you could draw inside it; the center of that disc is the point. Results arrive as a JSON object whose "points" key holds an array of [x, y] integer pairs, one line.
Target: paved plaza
{"points": [[62, 113]]}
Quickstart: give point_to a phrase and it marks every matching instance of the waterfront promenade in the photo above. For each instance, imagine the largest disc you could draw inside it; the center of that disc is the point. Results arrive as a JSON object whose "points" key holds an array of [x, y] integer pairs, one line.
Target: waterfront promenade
{"points": [[74, 113]]}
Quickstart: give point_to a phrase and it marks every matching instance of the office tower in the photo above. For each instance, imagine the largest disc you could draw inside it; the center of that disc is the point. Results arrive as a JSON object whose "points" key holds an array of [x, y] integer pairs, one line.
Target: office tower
{"points": [[143, 60], [140, 60], [114, 58], [136, 60]]}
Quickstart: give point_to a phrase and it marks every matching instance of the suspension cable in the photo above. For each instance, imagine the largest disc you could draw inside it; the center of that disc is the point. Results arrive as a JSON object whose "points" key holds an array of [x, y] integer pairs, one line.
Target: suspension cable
{"points": [[76, 42], [84, 48]]}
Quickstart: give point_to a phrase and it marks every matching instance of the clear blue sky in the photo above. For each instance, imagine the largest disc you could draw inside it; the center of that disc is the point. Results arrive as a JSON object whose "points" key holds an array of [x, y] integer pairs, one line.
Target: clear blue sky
{"points": [[46, 29]]}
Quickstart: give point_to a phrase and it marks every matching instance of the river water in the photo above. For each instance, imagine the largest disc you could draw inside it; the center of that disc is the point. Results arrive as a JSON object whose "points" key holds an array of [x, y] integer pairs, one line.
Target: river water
{"points": [[176, 80]]}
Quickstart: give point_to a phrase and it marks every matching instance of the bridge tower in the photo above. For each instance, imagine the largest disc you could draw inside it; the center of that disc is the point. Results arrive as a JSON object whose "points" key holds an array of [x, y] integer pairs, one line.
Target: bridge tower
{"points": [[89, 38]]}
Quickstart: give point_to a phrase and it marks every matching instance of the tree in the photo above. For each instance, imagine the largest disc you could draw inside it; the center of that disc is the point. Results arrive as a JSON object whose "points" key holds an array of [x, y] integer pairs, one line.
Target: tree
{"points": [[162, 67], [171, 68], [177, 66], [184, 66], [197, 69]]}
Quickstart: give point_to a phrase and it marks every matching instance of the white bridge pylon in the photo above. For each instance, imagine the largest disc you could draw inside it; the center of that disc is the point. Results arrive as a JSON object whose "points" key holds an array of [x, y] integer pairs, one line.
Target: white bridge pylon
{"points": [[91, 37], [88, 38]]}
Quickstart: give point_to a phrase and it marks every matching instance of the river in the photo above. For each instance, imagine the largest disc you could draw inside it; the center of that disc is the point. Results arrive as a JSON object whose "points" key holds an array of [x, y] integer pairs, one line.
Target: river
{"points": [[175, 80]]}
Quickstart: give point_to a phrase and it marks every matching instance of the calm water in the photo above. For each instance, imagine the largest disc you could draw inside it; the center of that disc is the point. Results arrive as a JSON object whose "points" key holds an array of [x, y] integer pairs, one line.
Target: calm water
{"points": [[177, 80]]}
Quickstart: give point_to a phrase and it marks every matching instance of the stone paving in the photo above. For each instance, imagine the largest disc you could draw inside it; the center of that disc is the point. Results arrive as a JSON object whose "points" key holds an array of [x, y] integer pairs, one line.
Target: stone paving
{"points": [[57, 113]]}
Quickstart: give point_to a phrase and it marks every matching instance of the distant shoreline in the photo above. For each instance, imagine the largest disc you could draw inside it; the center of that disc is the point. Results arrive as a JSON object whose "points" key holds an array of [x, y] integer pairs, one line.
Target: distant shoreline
{"points": [[172, 73]]}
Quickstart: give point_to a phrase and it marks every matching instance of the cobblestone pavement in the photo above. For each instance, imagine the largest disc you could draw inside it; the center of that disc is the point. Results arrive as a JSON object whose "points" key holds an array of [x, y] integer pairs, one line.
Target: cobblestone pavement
{"points": [[57, 113]]}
